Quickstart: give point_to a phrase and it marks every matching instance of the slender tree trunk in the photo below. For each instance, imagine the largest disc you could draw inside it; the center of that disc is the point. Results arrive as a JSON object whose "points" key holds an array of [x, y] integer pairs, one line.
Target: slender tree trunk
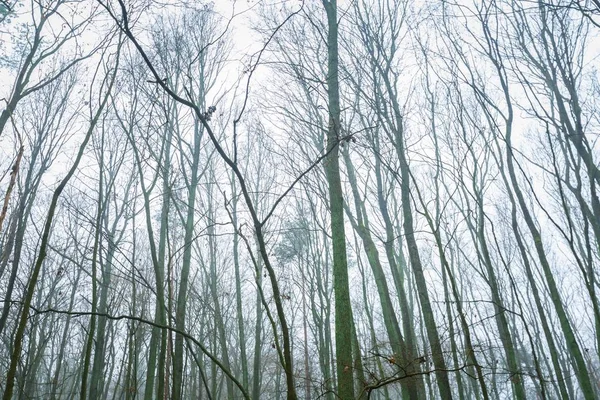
{"points": [[417, 267], [158, 340], [238, 287], [213, 279], [54, 394], [403, 356], [504, 330], [13, 178], [95, 250], [180, 312], [343, 310], [257, 362]]}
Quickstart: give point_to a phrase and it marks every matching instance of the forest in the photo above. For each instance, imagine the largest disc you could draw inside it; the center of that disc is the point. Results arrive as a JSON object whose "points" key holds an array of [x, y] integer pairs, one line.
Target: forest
{"points": [[299, 199]]}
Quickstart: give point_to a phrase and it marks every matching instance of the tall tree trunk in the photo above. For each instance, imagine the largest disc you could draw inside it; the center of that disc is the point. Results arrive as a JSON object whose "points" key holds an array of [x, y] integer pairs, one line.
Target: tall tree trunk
{"points": [[437, 353], [343, 310], [403, 356], [158, 339], [180, 312], [238, 287]]}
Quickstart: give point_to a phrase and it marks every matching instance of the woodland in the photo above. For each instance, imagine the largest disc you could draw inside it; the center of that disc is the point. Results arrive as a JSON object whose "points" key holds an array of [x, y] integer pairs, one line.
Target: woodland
{"points": [[299, 199]]}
